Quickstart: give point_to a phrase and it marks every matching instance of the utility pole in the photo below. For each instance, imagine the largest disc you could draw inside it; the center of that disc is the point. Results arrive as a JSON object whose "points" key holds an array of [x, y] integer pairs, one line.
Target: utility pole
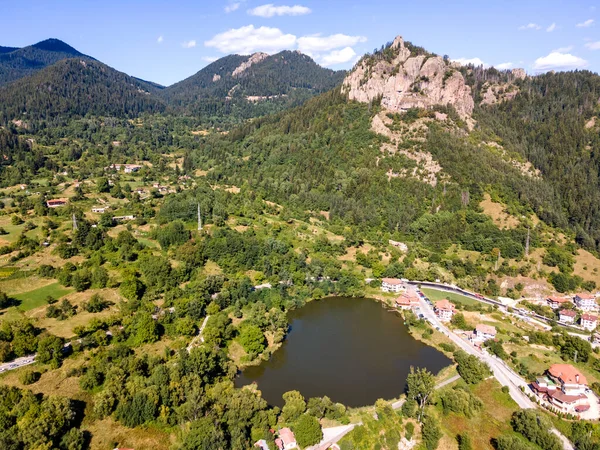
{"points": [[199, 219], [527, 243], [74, 222]]}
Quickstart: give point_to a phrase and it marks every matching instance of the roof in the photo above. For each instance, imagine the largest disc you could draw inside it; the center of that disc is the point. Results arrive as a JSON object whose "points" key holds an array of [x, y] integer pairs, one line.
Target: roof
{"points": [[444, 305], [564, 398], [567, 374], [408, 298], [558, 299], [585, 296], [287, 436], [567, 312], [394, 281], [589, 317], [58, 200], [486, 329]]}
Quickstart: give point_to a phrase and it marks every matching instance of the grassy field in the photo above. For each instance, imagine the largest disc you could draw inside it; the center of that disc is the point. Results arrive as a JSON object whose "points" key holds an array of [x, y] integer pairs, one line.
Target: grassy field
{"points": [[435, 295], [37, 297]]}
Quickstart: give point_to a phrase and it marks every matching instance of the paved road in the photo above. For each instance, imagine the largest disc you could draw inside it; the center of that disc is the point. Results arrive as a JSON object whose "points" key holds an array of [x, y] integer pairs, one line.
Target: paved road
{"points": [[17, 363], [333, 435]]}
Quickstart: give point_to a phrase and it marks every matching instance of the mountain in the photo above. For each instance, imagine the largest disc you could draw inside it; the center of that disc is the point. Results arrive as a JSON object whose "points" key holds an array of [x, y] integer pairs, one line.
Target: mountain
{"points": [[17, 63], [241, 87], [76, 87]]}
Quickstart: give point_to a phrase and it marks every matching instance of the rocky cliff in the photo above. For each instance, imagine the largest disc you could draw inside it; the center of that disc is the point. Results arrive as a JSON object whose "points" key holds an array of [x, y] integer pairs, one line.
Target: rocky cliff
{"points": [[405, 77]]}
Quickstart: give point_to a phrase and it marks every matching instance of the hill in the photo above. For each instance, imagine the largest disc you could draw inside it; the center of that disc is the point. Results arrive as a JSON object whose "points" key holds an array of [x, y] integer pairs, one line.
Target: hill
{"points": [[76, 87], [240, 87], [17, 63]]}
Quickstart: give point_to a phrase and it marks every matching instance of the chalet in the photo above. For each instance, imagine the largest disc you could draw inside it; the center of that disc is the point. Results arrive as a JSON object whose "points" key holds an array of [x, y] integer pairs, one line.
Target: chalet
{"points": [[484, 332], [408, 300], [55, 203], [567, 316], [585, 302], [588, 321], [99, 209], [286, 439], [127, 168], [564, 388], [392, 285], [557, 302], [444, 310]]}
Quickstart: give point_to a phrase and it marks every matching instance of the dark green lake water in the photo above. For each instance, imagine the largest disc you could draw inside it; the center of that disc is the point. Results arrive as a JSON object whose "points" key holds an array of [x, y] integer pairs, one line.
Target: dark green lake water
{"points": [[351, 349]]}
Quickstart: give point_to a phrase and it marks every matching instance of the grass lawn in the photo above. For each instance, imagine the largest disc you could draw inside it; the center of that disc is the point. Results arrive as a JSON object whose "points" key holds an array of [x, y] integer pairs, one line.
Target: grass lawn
{"points": [[435, 295], [37, 297]]}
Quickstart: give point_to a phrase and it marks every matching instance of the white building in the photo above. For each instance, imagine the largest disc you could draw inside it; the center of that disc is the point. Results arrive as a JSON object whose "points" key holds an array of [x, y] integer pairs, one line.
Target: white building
{"points": [[589, 321], [585, 302], [567, 316], [444, 310], [392, 285], [484, 332]]}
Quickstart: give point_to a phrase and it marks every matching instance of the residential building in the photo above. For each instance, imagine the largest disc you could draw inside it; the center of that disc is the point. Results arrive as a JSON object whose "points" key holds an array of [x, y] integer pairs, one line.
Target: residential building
{"points": [[567, 316], [595, 338], [262, 444], [287, 438], [392, 285], [99, 209], [589, 321], [444, 310], [127, 168], [408, 300], [585, 302], [122, 218], [484, 332], [557, 302], [564, 388], [55, 203]]}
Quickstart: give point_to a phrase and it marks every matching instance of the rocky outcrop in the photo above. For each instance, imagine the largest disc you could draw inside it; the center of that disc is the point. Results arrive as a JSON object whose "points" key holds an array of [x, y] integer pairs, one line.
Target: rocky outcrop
{"points": [[254, 59], [492, 93], [408, 81]]}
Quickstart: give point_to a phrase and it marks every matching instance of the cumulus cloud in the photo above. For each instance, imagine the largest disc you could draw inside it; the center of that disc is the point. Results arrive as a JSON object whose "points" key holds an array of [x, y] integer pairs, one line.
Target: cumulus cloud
{"points": [[249, 39], [551, 28], [338, 57], [317, 43], [189, 44], [566, 49], [504, 66], [593, 45], [466, 61], [232, 7], [530, 26], [586, 24], [210, 59], [270, 10], [160, 39], [559, 61]]}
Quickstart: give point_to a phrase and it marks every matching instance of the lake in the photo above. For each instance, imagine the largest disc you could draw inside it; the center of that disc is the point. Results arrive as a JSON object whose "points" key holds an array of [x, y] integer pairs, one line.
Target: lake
{"points": [[350, 349]]}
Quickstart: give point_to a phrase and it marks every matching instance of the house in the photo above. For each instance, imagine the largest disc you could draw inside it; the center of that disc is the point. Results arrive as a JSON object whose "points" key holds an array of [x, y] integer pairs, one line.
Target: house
{"points": [[127, 168], [392, 285], [564, 388], [408, 300], [589, 321], [122, 218], [262, 444], [399, 245], [567, 316], [484, 332], [444, 310], [595, 338], [99, 209], [585, 302], [557, 302], [55, 203], [288, 440]]}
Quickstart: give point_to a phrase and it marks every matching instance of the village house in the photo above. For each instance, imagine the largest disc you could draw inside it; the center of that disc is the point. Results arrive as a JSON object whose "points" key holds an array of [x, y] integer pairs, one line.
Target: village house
{"points": [[262, 444], [123, 218], [484, 332], [588, 321], [100, 209], [408, 300], [55, 203], [595, 338], [286, 439], [585, 302], [564, 388], [557, 302], [127, 168], [444, 310], [392, 285], [567, 316]]}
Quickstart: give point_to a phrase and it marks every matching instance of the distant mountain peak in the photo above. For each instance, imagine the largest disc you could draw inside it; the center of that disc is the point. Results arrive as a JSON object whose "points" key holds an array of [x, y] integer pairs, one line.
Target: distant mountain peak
{"points": [[56, 45]]}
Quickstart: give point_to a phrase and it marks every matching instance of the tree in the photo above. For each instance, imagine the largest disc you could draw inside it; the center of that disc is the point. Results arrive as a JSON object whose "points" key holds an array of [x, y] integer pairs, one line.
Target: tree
{"points": [[132, 288], [50, 350], [307, 431], [535, 427], [294, 406], [144, 329], [431, 433], [5, 300], [470, 368], [252, 339], [459, 321], [96, 304], [102, 185], [74, 439], [136, 411], [421, 384], [204, 434], [29, 377], [511, 443]]}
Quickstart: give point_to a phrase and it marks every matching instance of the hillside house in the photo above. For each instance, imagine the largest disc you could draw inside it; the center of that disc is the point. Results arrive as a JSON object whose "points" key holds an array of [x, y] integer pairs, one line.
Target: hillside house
{"points": [[557, 302], [585, 302], [484, 332], [100, 209], [286, 439], [55, 203], [588, 321], [567, 316], [127, 168], [262, 444], [444, 310], [408, 300], [123, 218], [392, 285], [564, 388]]}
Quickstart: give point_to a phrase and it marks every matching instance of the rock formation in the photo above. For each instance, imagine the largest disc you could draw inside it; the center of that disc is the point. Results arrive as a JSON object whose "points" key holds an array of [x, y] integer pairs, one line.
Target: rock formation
{"points": [[409, 80], [255, 58]]}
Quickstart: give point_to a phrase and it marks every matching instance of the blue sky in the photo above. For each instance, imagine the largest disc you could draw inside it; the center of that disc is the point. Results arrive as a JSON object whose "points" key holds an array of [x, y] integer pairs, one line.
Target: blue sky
{"points": [[168, 41]]}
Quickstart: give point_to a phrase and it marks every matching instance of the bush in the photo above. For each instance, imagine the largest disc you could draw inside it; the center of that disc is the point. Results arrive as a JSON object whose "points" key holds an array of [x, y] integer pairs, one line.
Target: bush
{"points": [[307, 431], [29, 377], [431, 433], [409, 430], [470, 368], [459, 400]]}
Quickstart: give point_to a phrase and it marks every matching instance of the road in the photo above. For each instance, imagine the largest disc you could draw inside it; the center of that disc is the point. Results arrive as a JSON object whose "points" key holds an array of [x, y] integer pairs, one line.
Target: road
{"points": [[17, 363], [199, 335]]}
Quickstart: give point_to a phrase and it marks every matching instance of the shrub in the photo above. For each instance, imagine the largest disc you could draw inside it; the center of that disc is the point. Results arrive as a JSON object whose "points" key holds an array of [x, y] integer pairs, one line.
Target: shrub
{"points": [[29, 377]]}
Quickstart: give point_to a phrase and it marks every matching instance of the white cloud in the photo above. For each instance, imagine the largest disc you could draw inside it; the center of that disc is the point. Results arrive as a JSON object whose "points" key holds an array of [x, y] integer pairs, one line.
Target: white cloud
{"points": [[232, 7], [338, 57], [189, 44], [551, 28], [530, 26], [593, 45], [249, 39], [559, 61], [504, 66], [210, 59], [586, 24], [160, 39], [566, 49], [270, 10], [317, 43], [466, 61]]}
